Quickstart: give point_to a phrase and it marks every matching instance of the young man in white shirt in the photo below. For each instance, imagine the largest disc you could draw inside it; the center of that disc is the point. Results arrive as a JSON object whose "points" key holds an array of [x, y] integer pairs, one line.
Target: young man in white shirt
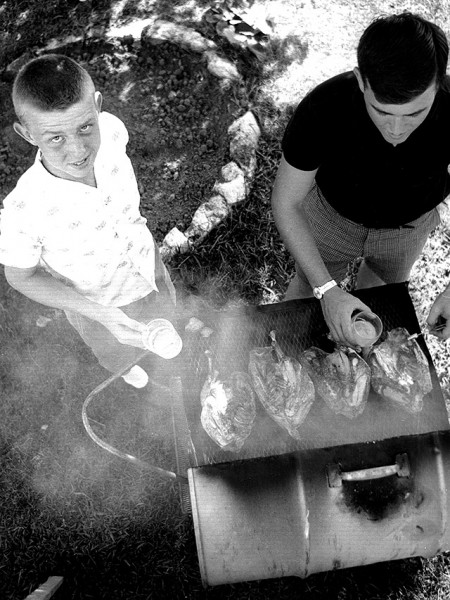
{"points": [[71, 234]]}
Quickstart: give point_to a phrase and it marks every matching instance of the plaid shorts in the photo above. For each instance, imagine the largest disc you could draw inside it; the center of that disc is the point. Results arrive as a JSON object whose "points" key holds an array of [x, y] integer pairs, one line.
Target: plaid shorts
{"points": [[389, 253]]}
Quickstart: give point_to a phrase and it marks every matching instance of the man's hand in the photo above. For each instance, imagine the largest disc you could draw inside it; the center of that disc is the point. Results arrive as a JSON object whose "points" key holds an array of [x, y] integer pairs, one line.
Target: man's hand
{"points": [[338, 307], [125, 330], [42, 287], [440, 313]]}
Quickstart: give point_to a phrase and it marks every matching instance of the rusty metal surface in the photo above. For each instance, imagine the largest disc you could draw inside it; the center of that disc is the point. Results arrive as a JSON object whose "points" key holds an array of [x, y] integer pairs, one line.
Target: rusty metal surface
{"points": [[299, 324]]}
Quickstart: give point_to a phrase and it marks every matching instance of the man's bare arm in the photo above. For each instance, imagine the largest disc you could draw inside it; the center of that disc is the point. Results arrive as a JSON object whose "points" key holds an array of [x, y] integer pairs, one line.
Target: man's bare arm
{"points": [[288, 196], [288, 199], [41, 287]]}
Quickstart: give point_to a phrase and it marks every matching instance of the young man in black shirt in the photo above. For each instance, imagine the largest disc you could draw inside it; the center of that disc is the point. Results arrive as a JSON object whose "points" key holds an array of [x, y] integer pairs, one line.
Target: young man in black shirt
{"points": [[365, 164]]}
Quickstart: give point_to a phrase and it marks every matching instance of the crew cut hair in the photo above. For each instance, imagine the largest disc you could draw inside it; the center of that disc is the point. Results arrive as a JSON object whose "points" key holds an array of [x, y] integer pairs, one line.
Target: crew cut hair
{"points": [[401, 55], [49, 82]]}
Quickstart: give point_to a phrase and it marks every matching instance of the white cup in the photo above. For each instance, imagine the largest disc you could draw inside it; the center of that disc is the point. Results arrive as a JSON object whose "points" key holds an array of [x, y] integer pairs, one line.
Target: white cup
{"points": [[160, 336]]}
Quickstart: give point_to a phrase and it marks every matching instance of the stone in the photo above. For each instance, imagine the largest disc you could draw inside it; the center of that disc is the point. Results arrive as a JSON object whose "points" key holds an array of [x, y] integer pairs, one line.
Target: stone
{"points": [[166, 31], [207, 216], [221, 67], [233, 187], [244, 137], [175, 241]]}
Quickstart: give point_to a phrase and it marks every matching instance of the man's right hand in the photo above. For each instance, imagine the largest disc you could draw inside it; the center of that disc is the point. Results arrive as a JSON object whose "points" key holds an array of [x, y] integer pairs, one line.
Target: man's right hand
{"points": [[338, 307], [125, 330]]}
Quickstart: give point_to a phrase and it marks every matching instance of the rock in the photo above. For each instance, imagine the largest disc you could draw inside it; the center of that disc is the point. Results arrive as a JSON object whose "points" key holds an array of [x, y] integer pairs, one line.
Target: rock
{"points": [[166, 31], [221, 67], [244, 136], [207, 216], [175, 241], [230, 171], [233, 187]]}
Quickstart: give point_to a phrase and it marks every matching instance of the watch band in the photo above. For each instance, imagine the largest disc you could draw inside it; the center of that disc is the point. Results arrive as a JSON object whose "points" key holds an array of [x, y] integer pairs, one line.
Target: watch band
{"points": [[320, 290]]}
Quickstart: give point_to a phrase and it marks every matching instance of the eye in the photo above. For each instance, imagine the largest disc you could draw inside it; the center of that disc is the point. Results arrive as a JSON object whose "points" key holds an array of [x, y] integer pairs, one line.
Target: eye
{"points": [[56, 140], [86, 128]]}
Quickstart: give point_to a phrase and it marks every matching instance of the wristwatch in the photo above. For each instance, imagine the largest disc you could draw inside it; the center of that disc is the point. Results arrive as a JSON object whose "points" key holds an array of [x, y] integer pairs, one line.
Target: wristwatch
{"points": [[320, 290]]}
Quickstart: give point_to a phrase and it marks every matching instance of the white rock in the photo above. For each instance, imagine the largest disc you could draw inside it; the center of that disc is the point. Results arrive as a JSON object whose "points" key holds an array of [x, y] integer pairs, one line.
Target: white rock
{"points": [[175, 241], [207, 216], [221, 67], [234, 188], [244, 137], [161, 31]]}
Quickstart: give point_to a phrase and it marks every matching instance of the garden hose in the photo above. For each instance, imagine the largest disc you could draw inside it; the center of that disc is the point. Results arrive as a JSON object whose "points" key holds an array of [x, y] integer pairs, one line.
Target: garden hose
{"points": [[124, 455]]}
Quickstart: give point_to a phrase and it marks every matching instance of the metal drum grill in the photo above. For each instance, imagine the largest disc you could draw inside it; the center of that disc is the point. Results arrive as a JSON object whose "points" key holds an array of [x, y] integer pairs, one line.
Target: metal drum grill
{"points": [[351, 492]]}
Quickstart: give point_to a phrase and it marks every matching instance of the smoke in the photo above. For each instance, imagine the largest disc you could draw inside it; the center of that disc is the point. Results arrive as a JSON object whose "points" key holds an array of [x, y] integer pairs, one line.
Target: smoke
{"points": [[49, 373], [46, 373]]}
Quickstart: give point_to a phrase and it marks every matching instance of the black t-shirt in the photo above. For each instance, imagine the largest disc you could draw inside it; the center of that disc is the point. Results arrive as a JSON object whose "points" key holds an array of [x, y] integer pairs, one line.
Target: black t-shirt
{"points": [[364, 177]]}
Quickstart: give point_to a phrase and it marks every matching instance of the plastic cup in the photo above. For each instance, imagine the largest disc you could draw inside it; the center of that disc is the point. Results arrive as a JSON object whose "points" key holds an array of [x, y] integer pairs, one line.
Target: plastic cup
{"points": [[367, 328], [161, 337]]}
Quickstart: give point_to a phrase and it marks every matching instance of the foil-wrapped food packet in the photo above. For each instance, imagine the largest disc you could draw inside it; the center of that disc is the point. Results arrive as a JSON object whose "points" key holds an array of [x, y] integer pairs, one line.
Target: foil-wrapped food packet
{"points": [[282, 385]]}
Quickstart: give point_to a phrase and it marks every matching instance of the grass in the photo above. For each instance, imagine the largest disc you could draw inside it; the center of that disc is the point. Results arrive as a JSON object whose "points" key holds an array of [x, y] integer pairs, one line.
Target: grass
{"points": [[114, 532]]}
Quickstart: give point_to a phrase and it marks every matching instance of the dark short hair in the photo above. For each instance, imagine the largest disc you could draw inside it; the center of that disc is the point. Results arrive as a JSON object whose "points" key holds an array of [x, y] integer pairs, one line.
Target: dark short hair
{"points": [[401, 55], [50, 82]]}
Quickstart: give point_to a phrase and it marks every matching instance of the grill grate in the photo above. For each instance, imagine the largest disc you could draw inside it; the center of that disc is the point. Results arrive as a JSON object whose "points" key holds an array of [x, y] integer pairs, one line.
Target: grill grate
{"points": [[299, 324]]}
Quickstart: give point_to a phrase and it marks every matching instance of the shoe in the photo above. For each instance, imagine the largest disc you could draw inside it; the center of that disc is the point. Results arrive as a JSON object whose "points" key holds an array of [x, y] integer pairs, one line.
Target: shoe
{"points": [[136, 377]]}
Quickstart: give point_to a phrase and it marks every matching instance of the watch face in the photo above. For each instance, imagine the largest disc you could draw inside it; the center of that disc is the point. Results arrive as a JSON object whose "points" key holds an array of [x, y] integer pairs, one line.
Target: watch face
{"points": [[317, 293]]}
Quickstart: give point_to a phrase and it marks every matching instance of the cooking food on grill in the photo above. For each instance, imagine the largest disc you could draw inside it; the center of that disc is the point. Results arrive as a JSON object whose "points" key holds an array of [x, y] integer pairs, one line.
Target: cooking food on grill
{"points": [[400, 370], [342, 378], [228, 408], [282, 385]]}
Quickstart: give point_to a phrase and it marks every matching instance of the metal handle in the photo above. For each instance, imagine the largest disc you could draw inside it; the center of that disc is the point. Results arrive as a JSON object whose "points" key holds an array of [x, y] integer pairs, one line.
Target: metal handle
{"points": [[336, 476]]}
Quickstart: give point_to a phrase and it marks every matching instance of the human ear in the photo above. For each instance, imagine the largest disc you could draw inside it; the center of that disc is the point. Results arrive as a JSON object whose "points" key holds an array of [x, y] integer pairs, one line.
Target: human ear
{"points": [[24, 133], [358, 76], [98, 99]]}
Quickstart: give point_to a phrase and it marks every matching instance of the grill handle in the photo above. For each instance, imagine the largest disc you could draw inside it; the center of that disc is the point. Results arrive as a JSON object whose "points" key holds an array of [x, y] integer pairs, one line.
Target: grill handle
{"points": [[336, 475]]}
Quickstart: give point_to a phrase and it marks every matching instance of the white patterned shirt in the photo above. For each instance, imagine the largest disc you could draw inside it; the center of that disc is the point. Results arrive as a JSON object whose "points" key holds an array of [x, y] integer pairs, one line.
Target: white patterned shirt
{"points": [[94, 239]]}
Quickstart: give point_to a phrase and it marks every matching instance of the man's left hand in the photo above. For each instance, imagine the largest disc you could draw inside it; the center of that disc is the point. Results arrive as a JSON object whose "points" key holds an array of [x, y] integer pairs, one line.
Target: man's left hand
{"points": [[440, 314]]}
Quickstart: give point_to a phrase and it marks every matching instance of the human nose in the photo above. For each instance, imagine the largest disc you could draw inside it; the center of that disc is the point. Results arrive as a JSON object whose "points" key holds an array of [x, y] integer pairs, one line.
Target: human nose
{"points": [[396, 125], [76, 147]]}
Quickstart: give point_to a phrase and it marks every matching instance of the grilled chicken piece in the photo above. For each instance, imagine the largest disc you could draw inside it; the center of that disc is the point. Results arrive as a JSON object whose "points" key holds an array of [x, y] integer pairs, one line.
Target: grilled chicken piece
{"points": [[228, 408], [282, 385], [342, 378], [400, 370]]}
